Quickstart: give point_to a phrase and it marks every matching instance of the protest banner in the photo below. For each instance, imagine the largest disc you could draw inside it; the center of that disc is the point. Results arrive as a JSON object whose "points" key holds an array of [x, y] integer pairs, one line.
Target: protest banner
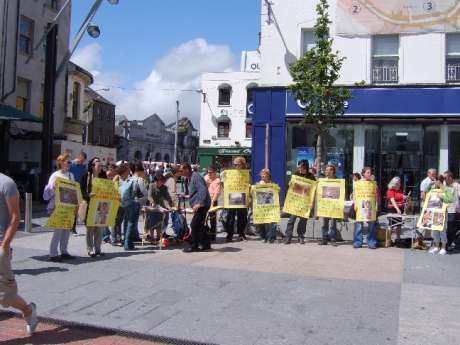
{"points": [[66, 200], [236, 188], [265, 203], [434, 211], [365, 198], [300, 196], [103, 206], [330, 198]]}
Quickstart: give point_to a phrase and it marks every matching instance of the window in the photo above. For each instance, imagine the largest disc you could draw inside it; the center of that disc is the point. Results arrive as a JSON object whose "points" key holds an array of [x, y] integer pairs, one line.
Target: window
{"points": [[453, 57], [248, 130], [308, 41], [26, 34], [223, 129], [53, 4], [42, 101], [23, 95], [385, 58], [76, 100], [225, 92]]}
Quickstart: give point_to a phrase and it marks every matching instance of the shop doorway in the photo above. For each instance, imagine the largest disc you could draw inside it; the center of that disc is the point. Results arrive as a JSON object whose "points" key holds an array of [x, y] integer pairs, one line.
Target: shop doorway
{"points": [[402, 151]]}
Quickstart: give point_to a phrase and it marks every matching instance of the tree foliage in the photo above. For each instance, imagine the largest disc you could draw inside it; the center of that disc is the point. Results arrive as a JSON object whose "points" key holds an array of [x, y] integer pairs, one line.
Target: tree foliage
{"points": [[314, 76]]}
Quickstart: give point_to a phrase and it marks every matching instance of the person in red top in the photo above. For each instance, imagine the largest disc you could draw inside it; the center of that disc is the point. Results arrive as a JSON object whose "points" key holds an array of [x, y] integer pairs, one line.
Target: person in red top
{"points": [[395, 204]]}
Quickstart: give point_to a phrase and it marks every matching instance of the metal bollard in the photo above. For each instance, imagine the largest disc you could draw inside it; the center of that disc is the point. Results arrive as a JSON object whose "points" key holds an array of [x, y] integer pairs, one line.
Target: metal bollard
{"points": [[28, 213]]}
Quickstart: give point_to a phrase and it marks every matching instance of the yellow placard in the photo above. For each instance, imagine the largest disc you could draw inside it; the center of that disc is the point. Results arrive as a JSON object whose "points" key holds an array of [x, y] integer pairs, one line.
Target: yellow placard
{"points": [[236, 188], [300, 196], [265, 203], [66, 200], [330, 198], [365, 199], [103, 207], [434, 211]]}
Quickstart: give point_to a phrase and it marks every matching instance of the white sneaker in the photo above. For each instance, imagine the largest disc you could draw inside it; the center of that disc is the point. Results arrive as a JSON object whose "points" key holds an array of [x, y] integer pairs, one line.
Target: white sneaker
{"points": [[31, 320], [433, 250], [442, 252]]}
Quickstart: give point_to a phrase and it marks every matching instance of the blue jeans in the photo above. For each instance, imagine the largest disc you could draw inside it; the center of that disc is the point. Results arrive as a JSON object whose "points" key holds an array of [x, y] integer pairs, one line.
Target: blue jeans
{"points": [[130, 224], [371, 236], [329, 228], [267, 231]]}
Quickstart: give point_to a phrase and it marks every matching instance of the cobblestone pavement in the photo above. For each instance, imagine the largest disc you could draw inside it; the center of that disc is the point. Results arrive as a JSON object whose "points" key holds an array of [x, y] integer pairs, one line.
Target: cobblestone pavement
{"points": [[241, 293]]}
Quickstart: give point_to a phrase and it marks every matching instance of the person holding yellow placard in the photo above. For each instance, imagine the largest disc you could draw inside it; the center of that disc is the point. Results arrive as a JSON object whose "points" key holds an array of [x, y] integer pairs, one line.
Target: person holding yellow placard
{"points": [[263, 198], [366, 209], [302, 171], [93, 234], [60, 236], [329, 225]]}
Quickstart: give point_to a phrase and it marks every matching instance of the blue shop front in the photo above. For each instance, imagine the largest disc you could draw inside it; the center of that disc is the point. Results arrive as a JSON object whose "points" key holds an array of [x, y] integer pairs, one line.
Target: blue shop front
{"points": [[398, 131]]}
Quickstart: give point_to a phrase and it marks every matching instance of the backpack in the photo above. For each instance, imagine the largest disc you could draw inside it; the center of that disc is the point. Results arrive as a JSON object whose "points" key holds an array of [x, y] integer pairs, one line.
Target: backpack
{"points": [[127, 193], [179, 225]]}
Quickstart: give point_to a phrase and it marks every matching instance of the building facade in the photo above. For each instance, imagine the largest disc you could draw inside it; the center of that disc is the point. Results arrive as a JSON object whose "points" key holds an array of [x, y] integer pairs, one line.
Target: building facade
{"points": [[100, 120], [22, 71], [226, 111], [404, 112]]}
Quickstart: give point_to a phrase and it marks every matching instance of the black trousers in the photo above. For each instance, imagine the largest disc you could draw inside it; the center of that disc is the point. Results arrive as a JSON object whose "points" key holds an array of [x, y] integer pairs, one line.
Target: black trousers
{"points": [[199, 235], [242, 220]]}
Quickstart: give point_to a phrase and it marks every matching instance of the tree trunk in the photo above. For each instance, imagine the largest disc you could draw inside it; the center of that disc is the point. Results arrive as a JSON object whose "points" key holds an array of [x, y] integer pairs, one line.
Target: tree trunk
{"points": [[319, 142]]}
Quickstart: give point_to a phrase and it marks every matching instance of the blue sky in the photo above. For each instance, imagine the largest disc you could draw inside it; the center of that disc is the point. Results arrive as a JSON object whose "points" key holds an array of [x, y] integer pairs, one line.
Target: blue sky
{"points": [[143, 41]]}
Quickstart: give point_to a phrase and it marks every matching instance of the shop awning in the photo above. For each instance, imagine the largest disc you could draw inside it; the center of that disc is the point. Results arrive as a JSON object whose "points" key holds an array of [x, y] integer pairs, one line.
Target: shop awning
{"points": [[8, 113]]}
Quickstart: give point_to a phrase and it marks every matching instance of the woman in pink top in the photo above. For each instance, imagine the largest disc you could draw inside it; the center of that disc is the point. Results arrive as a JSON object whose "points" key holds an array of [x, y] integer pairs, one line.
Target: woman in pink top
{"points": [[213, 183]]}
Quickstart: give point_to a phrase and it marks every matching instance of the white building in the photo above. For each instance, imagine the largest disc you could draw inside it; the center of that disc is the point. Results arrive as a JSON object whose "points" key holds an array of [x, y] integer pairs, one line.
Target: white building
{"points": [[225, 121], [403, 115]]}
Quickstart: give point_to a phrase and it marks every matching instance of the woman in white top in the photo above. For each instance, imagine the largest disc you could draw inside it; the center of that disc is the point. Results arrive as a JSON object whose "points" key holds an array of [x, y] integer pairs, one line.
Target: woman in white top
{"points": [[60, 236]]}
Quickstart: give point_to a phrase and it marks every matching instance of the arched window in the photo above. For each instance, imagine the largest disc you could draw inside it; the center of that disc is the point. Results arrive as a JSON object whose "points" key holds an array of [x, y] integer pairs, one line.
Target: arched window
{"points": [[138, 155], [76, 100], [166, 158], [225, 94], [158, 157]]}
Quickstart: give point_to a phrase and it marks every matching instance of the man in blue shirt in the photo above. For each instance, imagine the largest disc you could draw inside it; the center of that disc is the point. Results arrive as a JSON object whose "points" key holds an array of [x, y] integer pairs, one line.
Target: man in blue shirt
{"points": [[78, 166], [200, 201]]}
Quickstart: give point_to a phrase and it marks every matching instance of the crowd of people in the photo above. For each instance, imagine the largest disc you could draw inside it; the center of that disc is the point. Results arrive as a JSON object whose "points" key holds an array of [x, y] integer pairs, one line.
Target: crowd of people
{"points": [[164, 187]]}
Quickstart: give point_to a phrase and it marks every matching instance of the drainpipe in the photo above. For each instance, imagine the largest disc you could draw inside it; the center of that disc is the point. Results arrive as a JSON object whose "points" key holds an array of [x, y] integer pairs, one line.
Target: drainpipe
{"points": [[4, 96]]}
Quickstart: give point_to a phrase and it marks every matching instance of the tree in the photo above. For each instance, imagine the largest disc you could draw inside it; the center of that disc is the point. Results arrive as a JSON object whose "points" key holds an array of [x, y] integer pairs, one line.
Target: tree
{"points": [[314, 76]]}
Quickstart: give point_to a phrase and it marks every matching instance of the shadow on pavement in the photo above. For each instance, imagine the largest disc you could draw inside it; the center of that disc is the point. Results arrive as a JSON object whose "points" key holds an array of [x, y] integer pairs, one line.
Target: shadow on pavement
{"points": [[227, 250], [38, 271], [80, 260]]}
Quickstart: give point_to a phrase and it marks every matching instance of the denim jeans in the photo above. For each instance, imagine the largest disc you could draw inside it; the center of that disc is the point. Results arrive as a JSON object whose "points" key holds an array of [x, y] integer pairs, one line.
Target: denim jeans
{"points": [[329, 228], [115, 231], [60, 238], [439, 237], [371, 236], [267, 231], [451, 228], [301, 227], [130, 224]]}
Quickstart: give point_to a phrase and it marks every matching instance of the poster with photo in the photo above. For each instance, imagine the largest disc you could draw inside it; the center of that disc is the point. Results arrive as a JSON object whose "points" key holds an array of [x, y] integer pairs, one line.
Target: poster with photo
{"points": [[103, 207], [433, 216], [67, 199], [365, 197], [265, 203], [236, 188], [300, 196], [330, 198]]}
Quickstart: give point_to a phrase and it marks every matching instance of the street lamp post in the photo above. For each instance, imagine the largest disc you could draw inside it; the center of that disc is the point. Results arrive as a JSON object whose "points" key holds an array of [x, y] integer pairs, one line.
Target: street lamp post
{"points": [[175, 133], [52, 74]]}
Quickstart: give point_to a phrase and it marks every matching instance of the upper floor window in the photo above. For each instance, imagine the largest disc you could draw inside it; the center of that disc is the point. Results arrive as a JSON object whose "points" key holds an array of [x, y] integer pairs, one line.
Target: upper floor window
{"points": [[308, 40], [76, 100], [223, 130], [26, 34], [453, 57], [53, 4], [385, 58], [23, 95], [225, 94]]}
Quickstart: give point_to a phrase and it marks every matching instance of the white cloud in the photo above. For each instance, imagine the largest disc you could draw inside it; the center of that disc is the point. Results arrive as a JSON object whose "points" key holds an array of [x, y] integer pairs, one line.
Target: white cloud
{"points": [[180, 69]]}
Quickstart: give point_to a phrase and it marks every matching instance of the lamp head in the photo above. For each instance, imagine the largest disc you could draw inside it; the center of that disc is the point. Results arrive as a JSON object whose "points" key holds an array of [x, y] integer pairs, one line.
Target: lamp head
{"points": [[93, 30]]}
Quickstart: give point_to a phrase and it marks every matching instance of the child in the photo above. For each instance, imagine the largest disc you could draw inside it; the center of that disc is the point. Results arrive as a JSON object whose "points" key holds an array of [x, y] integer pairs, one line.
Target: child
{"points": [[267, 231]]}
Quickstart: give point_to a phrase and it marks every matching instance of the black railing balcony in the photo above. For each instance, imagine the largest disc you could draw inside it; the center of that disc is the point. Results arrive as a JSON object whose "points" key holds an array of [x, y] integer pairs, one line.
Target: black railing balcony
{"points": [[453, 71], [385, 74]]}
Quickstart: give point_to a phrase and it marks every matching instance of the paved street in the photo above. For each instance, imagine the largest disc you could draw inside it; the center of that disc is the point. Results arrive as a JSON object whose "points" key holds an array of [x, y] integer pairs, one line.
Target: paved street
{"points": [[243, 293]]}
